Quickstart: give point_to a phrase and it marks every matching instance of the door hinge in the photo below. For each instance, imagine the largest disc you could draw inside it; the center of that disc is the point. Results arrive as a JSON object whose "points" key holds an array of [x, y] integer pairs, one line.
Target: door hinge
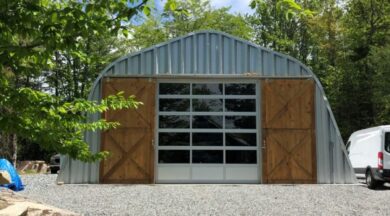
{"points": [[263, 146]]}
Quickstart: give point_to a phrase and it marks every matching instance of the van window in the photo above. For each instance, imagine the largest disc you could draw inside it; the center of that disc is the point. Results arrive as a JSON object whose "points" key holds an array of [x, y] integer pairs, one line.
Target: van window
{"points": [[348, 145], [387, 142]]}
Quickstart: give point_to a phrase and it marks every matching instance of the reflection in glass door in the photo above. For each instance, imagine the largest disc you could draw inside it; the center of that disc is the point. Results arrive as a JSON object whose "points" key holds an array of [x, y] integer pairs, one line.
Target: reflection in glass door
{"points": [[207, 132]]}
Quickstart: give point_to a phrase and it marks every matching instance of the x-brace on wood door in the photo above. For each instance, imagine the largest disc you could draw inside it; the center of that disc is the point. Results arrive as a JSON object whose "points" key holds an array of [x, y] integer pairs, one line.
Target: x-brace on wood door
{"points": [[130, 145], [289, 148]]}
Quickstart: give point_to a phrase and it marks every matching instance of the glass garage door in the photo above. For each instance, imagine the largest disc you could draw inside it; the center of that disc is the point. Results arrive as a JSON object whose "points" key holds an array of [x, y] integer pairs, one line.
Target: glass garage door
{"points": [[207, 132]]}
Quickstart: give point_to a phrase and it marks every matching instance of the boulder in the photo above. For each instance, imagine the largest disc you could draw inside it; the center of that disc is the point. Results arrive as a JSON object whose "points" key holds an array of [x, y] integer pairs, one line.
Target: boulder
{"points": [[18, 205], [5, 177], [42, 168], [34, 166]]}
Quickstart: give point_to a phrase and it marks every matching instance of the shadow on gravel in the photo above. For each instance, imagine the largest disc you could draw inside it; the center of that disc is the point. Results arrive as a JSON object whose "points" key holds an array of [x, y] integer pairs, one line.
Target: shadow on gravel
{"points": [[384, 187]]}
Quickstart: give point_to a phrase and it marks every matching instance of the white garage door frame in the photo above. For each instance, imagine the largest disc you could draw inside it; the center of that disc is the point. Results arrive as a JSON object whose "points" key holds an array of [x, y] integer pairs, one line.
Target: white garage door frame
{"points": [[209, 172]]}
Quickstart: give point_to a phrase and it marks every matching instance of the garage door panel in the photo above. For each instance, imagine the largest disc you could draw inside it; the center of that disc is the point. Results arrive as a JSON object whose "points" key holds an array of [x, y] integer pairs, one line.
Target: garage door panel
{"points": [[288, 105], [298, 171], [288, 131], [216, 124], [134, 170], [141, 89], [275, 153], [129, 120], [131, 143], [114, 157], [302, 154], [141, 158], [279, 171], [207, 173], [242, 173], [180, 173], [121, 138]]}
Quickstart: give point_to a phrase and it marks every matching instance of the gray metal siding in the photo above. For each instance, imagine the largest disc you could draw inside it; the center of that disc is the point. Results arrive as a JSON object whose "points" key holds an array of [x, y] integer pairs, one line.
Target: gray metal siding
{"points": [[207, 53], [333, 165], [73, 171], [216, 53]]}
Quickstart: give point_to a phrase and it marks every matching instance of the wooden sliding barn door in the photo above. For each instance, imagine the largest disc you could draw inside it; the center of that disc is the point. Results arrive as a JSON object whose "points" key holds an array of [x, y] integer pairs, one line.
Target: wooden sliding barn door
{"points": [[289, 148], [130, 145]]}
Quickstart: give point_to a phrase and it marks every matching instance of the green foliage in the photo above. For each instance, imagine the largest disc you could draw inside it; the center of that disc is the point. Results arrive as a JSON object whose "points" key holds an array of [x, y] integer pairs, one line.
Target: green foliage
{"points": [[283, 25], [193, 15], [56, 124], [71, 76], [59, 41], [379, 59], [362, 97], [346, 47], [32, 30], [151, 32], [181, 17], [289, 8]]}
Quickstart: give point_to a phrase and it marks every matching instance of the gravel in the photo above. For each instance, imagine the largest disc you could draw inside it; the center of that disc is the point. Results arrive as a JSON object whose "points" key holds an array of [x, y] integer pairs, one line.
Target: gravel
{"points": [[208, 199]]}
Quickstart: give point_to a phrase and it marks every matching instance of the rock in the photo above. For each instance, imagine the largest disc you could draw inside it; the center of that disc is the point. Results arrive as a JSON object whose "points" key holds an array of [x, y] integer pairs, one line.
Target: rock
{"points": [[23, 165], [5, 177], [34, 166], [18, 205], [42, 168], [3, 203]]}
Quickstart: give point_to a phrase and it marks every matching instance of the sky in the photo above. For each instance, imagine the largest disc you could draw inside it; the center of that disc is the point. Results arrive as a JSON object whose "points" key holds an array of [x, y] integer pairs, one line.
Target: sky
{"points": [[237, 6]]}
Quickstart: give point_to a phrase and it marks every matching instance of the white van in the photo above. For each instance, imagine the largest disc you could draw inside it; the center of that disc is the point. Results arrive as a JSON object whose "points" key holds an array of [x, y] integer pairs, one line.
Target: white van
{"points": [[369, 152]]}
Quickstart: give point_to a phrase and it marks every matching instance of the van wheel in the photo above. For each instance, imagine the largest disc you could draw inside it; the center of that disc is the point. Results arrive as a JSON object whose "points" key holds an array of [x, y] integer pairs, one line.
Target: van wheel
{"points": [[370, 180]]}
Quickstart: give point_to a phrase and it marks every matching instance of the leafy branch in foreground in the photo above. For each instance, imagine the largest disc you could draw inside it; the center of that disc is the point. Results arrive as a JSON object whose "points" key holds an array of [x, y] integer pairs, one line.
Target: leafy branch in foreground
{"points": [[56, 124], [43, 37]]}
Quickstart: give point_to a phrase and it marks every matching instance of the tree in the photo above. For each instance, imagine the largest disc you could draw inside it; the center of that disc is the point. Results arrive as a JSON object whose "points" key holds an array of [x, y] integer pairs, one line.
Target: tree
{"points": [[361, 101], [345, 47], [72, 76], [55, 124], [34, 35], [149, 33], [379, 59], [183, 18], [194, 15], [282, 25]]}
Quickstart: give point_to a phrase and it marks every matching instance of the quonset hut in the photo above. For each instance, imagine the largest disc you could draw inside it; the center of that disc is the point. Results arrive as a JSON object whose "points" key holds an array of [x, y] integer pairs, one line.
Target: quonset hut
{"points": [[217, 109]]}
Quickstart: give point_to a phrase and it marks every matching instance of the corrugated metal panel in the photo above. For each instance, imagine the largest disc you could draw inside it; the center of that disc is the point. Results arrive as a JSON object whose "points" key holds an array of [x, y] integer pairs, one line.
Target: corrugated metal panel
{"points": [[333, 165], [217, 53], [73, 171], [323, 170]]}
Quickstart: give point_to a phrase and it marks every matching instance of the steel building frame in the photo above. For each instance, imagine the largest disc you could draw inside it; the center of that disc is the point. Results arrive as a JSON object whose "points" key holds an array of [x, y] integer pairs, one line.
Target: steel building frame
{"points": [[217, 55]]}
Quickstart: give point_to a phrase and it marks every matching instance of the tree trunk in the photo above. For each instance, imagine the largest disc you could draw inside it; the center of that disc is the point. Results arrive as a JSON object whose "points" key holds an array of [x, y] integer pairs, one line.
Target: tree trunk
{"points": [[56, 71], [85, 71], [15, 149], [2, 145], [5, 146], [76, 66]]}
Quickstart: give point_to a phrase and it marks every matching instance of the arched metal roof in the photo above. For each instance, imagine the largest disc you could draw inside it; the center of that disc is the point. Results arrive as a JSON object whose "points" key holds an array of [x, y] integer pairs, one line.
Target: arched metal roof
{"points": [[206, 53]]}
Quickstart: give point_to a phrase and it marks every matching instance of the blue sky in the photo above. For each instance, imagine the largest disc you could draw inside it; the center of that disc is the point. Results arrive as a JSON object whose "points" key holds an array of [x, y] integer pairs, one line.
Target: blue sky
{"points": [[237, 6]]}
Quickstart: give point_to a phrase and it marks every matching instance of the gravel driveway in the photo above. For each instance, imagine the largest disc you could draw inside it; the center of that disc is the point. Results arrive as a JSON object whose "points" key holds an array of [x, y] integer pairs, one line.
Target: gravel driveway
{"points": [[208, 199]]}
